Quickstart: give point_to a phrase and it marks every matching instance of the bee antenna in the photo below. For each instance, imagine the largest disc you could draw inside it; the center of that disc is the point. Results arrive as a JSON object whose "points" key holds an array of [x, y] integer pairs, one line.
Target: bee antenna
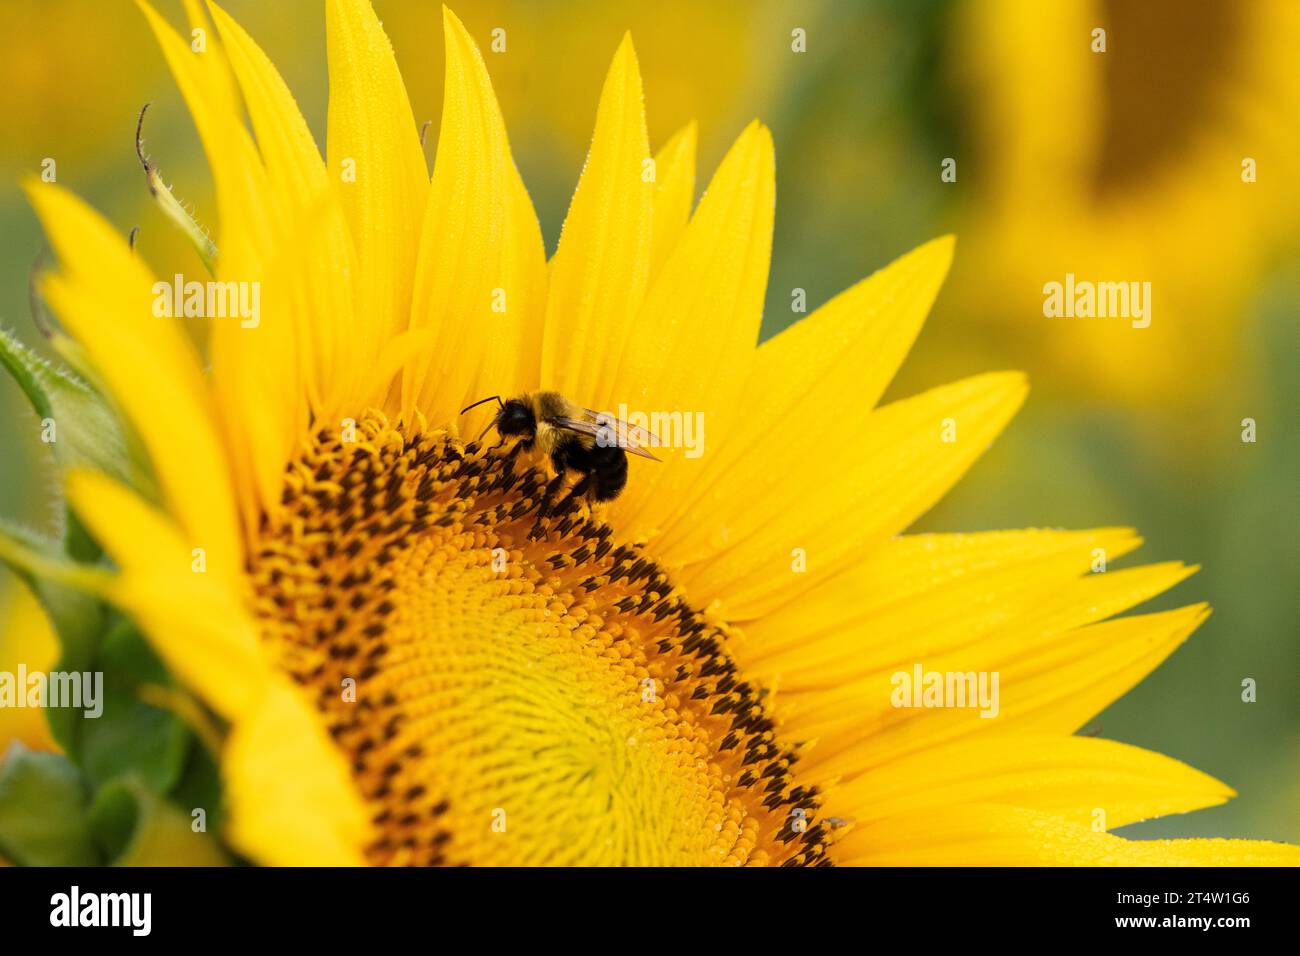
{"points": [[483, 401]]}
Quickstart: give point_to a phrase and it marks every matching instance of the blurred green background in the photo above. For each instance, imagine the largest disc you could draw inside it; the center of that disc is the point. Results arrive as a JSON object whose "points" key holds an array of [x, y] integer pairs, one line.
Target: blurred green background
{"points": [[1122, 165]]}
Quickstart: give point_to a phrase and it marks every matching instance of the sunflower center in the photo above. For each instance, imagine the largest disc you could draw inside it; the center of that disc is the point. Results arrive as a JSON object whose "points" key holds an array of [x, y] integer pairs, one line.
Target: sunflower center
{"points": [[1160, 69], [510, 685]]}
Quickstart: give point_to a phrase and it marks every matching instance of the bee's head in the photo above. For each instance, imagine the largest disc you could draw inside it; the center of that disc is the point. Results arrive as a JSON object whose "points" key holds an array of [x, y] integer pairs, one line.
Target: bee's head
{"points": [[516, 418]]}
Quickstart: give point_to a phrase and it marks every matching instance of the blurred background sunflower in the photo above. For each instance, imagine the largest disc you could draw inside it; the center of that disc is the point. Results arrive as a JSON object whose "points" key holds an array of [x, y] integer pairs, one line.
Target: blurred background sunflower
{"points": [[1119, 165]]}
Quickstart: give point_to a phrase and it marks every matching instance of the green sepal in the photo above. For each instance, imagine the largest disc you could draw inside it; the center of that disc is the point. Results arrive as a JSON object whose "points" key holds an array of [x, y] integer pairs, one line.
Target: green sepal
{"points": [[77, 542], [200, 788], [76, 422], [133, 826], [44, 805], [174, 210], [172, 207], [131, 736]]}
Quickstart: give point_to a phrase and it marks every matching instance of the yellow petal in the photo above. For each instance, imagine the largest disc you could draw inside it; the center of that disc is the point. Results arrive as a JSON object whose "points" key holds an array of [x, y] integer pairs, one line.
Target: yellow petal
{"points": [[217, 70], [248, 209], [852, 345], [1048, 682], [481, 260], [275, 367], [599, 273], [196, 622], [27, 639], [320, 339], [1217, 852], [1084, 780], [910, 573], [841, 357], [253, 213], [292, 800], [376, 160], [674, 193], [523, 269], [879, 477], [990, 835], [293, 163], [1101, 664], [961, 626], [104, 298], [695, 336]]}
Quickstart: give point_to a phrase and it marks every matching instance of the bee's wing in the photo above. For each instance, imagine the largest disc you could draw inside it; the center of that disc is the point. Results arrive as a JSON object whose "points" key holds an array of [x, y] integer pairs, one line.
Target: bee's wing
{"points": [[602, 429], [628, 433]]}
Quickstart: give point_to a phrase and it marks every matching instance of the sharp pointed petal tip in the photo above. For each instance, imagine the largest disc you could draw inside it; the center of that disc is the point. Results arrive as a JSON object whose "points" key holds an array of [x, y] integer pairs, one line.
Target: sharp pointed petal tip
{"points": [[1196, 614], [161, 27], [1013, 381], [940, 248], [450, 20], [456, 38], [1123, 540], [226, 25], [624, 75], [755, 141], [221, 17], [686, 137], [625, 56], [42, 194], [1011, 386], [1211, 783]]}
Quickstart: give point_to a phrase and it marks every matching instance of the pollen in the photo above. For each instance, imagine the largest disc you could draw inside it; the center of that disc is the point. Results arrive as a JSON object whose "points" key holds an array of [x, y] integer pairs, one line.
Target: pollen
{"points": [[509, 684]]}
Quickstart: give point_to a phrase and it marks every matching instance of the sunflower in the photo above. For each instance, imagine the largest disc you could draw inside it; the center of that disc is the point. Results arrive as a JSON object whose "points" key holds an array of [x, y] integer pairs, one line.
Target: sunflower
{"points": [[411, 648], [1169, 156]]}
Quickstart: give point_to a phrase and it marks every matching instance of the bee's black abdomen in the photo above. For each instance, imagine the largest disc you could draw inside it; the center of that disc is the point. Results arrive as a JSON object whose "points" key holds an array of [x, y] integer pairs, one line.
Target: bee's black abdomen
{"points": [[610, 472], [606, 466]]}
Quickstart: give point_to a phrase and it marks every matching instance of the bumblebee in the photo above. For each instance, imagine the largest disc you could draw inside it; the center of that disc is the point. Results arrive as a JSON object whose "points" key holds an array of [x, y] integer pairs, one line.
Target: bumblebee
{"points": [[593, 444]]}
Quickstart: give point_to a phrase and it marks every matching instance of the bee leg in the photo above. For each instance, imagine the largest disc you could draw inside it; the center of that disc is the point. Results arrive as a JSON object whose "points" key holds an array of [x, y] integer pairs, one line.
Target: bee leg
{"points": [[579, 489]]}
